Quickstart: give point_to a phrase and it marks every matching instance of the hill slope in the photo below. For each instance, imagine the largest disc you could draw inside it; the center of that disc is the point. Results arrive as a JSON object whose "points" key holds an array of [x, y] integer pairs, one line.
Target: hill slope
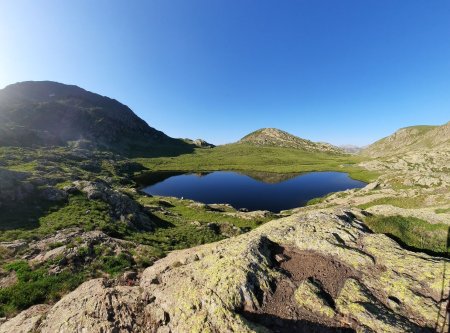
{"points": [[414, 138], [45, 113], [277, 138]]}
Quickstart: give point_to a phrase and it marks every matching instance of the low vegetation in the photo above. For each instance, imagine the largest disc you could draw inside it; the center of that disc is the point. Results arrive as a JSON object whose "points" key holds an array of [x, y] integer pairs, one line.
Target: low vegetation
{"points": [[401, 202], [177, 223], [412, 232], [77, 211], [442, 210], [35, 286], [184, 223], [246, 157]]}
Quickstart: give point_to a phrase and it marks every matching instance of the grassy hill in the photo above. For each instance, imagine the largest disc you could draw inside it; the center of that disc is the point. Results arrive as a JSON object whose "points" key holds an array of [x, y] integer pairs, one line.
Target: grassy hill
{"points": [[414, 138], [273, 137]]}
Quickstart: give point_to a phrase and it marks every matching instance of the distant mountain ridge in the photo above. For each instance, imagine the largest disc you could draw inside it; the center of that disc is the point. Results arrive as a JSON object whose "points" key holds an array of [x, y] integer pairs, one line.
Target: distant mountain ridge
{"points": [[413, 138], [352, 149], [46, 113], [274, 137]]}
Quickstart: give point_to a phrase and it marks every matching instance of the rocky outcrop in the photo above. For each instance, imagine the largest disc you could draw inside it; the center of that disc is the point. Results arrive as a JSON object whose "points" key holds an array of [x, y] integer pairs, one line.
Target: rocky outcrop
{"points": [[73, 245], [97, 306], [200, 143], [73, 249], [122, 206], [27, 321], [417, 183], [317, 270]]}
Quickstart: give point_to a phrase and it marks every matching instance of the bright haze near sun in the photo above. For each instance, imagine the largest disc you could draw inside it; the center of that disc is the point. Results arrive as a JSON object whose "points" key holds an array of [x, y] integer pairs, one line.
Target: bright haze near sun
{"points": [[344, 72]]}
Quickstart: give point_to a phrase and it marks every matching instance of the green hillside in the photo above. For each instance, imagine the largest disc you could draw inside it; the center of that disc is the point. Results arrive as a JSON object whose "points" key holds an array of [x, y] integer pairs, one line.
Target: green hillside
{"points": [[410, 139]]}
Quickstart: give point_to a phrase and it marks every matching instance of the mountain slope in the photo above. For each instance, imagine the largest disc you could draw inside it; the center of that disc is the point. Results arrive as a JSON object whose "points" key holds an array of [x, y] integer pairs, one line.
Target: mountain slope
{"points": [[277, 138], [45, 113], [408, 139]]}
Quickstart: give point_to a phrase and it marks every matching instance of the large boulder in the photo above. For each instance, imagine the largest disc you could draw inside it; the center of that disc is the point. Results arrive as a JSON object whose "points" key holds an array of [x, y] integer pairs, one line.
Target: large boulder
{"points": [[97, 306], [121, 206], [311, 272], [74, 246], [27, 321]]}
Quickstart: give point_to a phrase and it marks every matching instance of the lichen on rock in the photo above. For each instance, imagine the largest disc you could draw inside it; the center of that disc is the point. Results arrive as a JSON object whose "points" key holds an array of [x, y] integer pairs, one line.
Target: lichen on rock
{"points": [[321, 268]]}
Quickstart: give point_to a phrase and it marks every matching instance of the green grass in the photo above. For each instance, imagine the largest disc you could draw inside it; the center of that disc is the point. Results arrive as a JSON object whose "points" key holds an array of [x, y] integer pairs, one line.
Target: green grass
{"points": [[35, 286], [114, 265], [415, 233], [25, 214], [245, 157], [24, 167], [173, 231], [180, 225], [183, 225], [79, 212], [318, 200], [442, 210], [401, 202]]}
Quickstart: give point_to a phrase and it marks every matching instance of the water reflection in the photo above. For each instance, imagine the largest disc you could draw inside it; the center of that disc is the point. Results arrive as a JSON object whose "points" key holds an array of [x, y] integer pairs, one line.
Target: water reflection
{"points": [[253, 190]]}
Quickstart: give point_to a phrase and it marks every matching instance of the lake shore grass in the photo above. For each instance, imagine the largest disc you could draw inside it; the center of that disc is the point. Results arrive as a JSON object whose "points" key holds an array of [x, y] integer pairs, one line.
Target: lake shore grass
{"points": [[412, 233], [244, 157]]}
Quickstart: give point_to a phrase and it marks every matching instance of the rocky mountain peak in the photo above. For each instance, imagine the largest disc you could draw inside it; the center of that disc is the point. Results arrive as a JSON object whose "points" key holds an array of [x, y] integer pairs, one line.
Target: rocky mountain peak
{"points": [[277, 138], [45, 113]]}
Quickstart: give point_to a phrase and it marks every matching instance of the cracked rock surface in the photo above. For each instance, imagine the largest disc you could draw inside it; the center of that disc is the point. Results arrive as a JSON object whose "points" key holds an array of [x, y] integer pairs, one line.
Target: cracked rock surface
{"points": [[315, 271]]}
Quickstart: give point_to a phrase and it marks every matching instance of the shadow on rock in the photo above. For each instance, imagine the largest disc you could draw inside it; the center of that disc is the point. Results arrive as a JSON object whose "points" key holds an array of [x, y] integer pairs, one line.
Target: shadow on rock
{"points": [[282, 325]]}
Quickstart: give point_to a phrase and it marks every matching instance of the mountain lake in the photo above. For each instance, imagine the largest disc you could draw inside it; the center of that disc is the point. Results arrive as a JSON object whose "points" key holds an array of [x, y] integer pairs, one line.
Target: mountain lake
{"points": [[252, 191]]}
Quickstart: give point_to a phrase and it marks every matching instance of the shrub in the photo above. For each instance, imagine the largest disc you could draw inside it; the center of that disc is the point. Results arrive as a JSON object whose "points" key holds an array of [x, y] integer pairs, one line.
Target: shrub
{"points": [[115, 265]]}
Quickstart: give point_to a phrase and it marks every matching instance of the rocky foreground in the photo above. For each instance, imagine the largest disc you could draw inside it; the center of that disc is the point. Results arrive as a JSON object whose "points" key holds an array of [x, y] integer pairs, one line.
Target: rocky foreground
{"points": [[318, 270], [311, 272]]}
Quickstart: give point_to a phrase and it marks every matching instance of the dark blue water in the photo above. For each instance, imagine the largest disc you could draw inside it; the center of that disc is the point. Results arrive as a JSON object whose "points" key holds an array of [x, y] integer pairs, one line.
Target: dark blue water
{"points": [[242, 191]]}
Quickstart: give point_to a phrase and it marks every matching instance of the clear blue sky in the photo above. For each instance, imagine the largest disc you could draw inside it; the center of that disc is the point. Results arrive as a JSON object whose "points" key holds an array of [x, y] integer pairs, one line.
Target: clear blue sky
{"points": [[347, 71]]}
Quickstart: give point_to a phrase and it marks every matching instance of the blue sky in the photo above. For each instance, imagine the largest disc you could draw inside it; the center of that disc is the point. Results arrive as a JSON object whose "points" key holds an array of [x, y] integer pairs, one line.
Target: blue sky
{"points": [[346, 71]]}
